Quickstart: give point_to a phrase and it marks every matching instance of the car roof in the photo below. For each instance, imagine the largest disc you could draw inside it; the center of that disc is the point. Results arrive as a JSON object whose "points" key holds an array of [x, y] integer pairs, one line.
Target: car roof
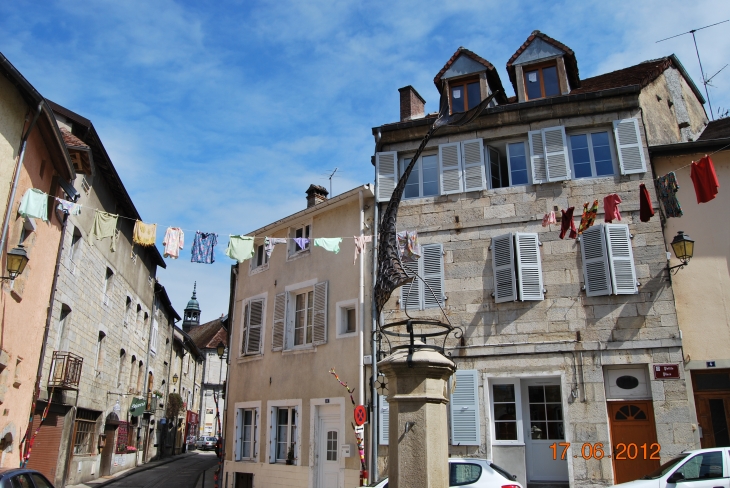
{"points": [[6, 472], [466, 459], [707, 449]]}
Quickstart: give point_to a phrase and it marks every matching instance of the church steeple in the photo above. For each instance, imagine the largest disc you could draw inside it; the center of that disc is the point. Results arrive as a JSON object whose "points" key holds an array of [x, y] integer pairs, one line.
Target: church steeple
{"points": [[191, 316]]}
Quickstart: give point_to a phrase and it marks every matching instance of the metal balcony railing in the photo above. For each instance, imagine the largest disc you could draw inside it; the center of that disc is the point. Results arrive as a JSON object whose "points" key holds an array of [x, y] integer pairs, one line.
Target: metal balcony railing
{"points": [[65, 370]]}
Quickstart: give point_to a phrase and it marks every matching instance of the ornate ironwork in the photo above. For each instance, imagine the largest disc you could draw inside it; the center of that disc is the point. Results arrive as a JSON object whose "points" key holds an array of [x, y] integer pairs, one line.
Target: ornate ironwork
{"points": [[65, 370]]}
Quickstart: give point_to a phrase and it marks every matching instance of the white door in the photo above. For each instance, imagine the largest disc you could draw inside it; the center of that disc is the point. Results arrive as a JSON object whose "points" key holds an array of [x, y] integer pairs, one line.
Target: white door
{"points": [[542, 404], [328, 447]]}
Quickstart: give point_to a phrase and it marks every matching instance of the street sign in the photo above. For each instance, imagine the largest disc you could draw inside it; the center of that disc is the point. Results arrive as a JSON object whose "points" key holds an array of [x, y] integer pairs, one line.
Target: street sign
{"points": [[136, 408], [361, 415], [666, 371]]}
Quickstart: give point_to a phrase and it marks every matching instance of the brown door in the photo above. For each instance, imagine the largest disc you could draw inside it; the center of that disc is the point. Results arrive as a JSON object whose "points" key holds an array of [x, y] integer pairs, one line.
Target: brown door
{"points": [[107, 452], [712, 401], [635, 451], [46, 446]]}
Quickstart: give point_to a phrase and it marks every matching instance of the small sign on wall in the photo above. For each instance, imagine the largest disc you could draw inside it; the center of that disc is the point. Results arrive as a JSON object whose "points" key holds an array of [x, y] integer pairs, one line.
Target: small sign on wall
{"points": [[666, 371], [346, 450]]}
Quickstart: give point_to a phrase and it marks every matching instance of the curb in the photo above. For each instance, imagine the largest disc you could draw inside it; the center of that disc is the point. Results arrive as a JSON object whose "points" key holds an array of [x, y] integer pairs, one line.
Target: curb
{"points": [[142, 468]]}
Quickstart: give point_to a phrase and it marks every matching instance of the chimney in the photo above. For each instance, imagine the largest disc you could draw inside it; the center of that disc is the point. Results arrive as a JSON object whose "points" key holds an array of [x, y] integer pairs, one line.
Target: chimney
{"points": [[316, 194], [411, 104]]}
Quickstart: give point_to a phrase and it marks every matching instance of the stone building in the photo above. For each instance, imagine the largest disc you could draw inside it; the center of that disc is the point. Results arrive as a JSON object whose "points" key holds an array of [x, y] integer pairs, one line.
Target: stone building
{"points": [[559, 335], [187, 376]]}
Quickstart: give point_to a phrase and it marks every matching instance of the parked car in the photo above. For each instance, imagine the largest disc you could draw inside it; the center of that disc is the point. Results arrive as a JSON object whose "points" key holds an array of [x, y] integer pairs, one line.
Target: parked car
{"points": [[471, 472], [700, 468], [206, 442], [23, 478], [191, 442]]}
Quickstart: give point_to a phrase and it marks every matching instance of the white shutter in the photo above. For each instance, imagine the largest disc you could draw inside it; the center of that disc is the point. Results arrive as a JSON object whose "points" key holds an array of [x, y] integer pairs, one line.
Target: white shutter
{"points": [[465, 428], [386, 169], [628, 145], [556, 154], [244, 331], [255, 323], [595, 261], [537, 157], [277, 339], [433, 275], [384, 415], [504, 269], [529, 266], [319, 319], [239, 429], [410, 293], [495, 170], [450, 166], [621, 259], [473, 153]]}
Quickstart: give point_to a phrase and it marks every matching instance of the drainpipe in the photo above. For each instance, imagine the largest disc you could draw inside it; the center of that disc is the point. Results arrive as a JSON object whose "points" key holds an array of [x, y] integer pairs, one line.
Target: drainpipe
{"points": [[374, 409], [361, 312]]}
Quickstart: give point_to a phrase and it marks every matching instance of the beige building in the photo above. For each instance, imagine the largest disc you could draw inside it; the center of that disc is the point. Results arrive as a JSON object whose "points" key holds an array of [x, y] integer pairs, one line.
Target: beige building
{"points": [[296, 315]]}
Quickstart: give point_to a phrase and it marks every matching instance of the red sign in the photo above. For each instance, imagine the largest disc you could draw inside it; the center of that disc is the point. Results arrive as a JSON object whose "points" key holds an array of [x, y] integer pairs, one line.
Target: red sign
{"points": [[191, 417], [360, 415], [666, 371]]}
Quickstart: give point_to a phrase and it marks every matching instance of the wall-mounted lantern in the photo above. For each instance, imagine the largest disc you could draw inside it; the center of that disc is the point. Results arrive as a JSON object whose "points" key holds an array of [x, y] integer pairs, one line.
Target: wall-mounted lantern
{"points": [[174, 379], [683, 248], [17, 259]]}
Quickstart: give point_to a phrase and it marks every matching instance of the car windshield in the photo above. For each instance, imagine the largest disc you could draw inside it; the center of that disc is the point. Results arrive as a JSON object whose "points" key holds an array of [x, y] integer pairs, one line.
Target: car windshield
{"points": [[664, 468], [213, 439], [502, 471]]}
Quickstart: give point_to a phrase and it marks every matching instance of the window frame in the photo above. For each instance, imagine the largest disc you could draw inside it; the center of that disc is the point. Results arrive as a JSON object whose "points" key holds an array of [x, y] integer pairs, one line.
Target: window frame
{"points": [[342, 307], [255, 408], [553, 63], [243, 341], [528, 162], [83, 440], [273, 410], [589, 133], [515, 382], [292, 251], [464, 83], [307, 292], [259, 251], [419, 167]]}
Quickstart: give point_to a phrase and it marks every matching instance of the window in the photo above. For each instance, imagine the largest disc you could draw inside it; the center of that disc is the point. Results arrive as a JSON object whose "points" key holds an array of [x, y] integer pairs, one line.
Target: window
{"points": [[505, 414], [347, 317], [253, 321], [301, 232], [304, 305], [132, 374], [464, 473], [424, 178], [464, 409], [706, 465], [517, 267], [128, 311], [247, 433], [153, 338], [428, 290], [608, 260], [85, 432], [140, 376], [591, 154], [64, 321], [74, 252], [108, 283], [546, 412], [40, 481], [464, 94], [99, 365], [120, 371], [332, 445], [260, 259], [300, 317], [186, 363], [284, 434], [541, 81], [21, 481], [517, 160]]}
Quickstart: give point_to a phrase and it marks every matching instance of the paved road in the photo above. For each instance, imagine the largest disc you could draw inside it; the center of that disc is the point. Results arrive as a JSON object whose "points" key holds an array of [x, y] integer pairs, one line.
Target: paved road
{"points": [[182, 473]]}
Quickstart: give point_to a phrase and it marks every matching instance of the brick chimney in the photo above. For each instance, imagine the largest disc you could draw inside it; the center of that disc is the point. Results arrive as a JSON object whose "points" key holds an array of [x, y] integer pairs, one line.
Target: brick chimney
{"points": [[316, 194], [411, 104]]}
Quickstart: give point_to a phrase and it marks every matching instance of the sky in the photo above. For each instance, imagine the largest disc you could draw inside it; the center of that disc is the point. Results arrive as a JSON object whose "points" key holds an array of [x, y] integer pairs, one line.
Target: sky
{"points": [[219, 115]]}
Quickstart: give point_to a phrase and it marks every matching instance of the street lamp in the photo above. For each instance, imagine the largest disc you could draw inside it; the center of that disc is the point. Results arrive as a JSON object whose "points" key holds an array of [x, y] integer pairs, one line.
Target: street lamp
{"points": [[220, 349], [174, 379], [17, 259], [683, 248]]}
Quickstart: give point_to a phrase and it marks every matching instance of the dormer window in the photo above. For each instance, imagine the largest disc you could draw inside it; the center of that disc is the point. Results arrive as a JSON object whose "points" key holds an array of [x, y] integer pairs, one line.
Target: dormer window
{"points": [[464, 94], [541, 81]]}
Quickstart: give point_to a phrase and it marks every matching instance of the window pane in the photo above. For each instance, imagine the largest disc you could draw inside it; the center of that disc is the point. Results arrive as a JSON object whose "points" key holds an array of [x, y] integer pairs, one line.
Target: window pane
{"points": [[536, 394], [538, 430], [503, 393], [552, 393], [505, 411], [430, 170], [555, 430], [351, 320], [505, 431], [703, 466], [602, 153], [40, 481], [554, 411], [532, 84], [281, 440], [581, 156], [473, 94], [537, 411], [299, 317], [518, 163], [550, 79], [411, 190], [457, 98]]}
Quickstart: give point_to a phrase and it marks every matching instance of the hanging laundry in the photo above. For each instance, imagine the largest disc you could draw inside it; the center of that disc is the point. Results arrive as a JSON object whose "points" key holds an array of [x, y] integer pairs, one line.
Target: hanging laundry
{"points": [[302, 242], [331, 244], [610, 207], [270, 242], [240, 248], [34, 205], [588, 217], [667, 189], [360, 245], [70, 208], [115, 238], [144, 234], [566, 223], [105, 225], [173, 242], [408, 246], [548, 219], [646, 211], [203, 247], [704, 179]]}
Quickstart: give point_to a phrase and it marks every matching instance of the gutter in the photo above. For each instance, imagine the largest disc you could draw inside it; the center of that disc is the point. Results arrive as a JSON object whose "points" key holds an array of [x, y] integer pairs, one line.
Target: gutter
{"points": [[689, 147]]}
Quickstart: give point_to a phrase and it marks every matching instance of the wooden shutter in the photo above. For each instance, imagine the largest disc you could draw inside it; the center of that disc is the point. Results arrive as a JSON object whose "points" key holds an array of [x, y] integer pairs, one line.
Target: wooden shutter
{"points": [[450, 167], [556, 153], [628, 145], [386, 169], [433, 275], [465, 428], [410, 293], [537, 157], [255, 324], [384, 415], [595, 261], [277, 339], [621, 259], [504, 269], [529, 266], [319, 319], [244, 331], [474, 176], [239, 428]]}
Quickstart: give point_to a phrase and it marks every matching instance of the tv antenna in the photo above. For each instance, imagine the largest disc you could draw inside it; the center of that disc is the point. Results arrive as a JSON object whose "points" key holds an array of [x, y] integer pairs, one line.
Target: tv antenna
{"points": [[335, 171], [705, 81]]}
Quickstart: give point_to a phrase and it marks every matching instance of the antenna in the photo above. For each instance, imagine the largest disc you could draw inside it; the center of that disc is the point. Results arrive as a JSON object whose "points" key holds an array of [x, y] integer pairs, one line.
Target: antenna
{"points": [[705, 81], [335, 171]]}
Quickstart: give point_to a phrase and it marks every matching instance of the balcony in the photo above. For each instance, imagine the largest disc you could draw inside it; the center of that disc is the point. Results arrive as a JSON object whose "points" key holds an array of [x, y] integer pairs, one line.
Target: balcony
{"points": [[65, 370]]}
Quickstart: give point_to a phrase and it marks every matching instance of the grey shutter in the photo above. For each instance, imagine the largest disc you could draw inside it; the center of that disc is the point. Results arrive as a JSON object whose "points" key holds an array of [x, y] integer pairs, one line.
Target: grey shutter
{"points": [[503, 266], [529, 266], [621, 259], [473, 154], [384, 415], [537, 157], [595, 261], [628, 145], [410, 293], [386, 169], [244, 331], [277, 339], [433, 275], [255, 324], [465, 428], [239, 429], [450, 167], [556, 154], [319, 319]]}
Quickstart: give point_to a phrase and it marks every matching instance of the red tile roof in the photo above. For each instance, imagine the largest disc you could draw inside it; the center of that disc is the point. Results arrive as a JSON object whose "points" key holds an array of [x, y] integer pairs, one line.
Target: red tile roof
{"points": [[71, 140], [495, 83], [208, 335], [717, 129], [641, 74], [571, 64]]}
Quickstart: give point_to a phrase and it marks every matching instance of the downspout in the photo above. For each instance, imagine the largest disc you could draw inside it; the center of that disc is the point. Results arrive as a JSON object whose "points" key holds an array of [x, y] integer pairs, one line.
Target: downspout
{"points": [[231, 309], [374, 408], [202, 392], [361, 309]]}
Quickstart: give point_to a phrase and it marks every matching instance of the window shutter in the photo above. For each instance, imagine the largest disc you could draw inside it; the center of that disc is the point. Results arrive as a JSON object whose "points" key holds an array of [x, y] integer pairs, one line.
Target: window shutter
{"points": [[537, 157], [277, 340], [386, 166], [255, 434], [529, 266], [465, 428], [621, 259], [384, 420], [450, 167], [319, 319], [239, 428], [556, 154], [255, 323], [504, 269], [595, 261], [474, 177], [244, 331], [495, 170], [433, 275], [410, 293], [628, 145]]}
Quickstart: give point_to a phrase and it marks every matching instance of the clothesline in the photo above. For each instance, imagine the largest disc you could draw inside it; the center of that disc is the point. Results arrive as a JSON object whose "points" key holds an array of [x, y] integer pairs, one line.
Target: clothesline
{"points": [[706, 155]]}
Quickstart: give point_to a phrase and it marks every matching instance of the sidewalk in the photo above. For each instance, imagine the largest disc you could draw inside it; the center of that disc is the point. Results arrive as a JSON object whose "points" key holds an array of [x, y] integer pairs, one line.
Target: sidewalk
{"points": [[99, 482]]}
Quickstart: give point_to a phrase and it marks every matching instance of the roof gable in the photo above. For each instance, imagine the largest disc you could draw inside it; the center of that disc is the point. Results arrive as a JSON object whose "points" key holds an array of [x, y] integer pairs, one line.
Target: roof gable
{"points": [[463, 60], [571, 64], [537, 50], [463, 65]]}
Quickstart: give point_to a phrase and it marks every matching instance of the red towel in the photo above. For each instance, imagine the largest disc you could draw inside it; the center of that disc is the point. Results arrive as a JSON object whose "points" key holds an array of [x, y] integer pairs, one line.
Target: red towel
{"points": [[610, 206], [646, 211], [566, 222], [705, 179]]}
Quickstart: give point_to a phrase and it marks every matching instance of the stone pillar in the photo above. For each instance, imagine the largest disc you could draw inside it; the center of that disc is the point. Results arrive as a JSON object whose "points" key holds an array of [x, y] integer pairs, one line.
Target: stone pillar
{"points": [[418, 454]]}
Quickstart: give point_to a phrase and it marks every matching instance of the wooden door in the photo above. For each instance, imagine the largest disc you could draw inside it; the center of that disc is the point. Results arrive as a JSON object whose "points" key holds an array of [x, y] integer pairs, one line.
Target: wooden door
{"points": [[634, 448], [713, 415], [107, 452]]}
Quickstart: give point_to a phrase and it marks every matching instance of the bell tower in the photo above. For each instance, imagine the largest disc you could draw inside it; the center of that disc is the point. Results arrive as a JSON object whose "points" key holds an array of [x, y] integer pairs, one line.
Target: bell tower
{"points": [[191, 315]]}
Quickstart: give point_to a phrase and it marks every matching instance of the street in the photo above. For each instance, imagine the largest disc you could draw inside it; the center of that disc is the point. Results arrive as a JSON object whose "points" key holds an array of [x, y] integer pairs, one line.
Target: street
{"points": [[182, 473]]}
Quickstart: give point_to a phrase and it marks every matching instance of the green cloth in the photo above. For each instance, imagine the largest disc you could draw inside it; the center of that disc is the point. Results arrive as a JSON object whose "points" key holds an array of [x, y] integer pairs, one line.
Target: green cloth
{"points": [[240, 248], [105, 225], [329, 243], [34, 205]]}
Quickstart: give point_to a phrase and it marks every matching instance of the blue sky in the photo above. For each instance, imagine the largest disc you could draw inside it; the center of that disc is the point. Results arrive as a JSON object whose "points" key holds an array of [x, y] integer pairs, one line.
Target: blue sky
{"points": [[218, 115]]}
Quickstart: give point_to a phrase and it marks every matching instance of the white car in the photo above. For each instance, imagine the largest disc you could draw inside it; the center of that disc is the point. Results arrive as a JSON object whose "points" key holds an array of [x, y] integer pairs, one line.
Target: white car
{"points": [[703, 468], [471, 472]]}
